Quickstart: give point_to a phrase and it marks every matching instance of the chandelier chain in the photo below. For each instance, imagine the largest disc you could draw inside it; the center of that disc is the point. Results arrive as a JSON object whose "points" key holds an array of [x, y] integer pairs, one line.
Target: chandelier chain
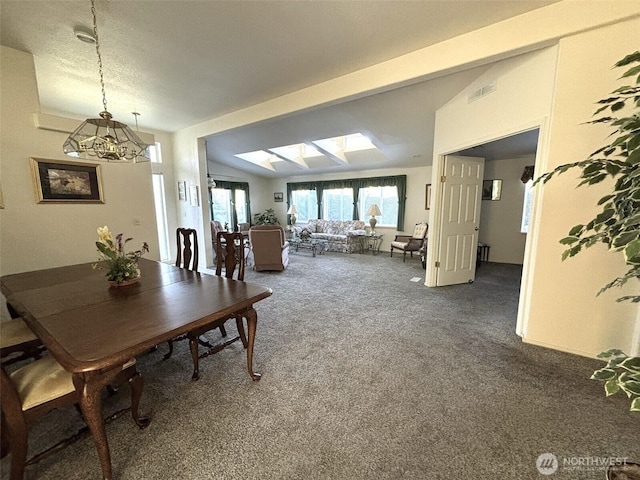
{"points": [[95, 34]]}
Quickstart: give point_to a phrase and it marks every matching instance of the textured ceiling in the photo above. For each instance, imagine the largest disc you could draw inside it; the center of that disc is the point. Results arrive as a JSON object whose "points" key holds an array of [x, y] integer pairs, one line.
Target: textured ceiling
{"points": [[179, 63]]}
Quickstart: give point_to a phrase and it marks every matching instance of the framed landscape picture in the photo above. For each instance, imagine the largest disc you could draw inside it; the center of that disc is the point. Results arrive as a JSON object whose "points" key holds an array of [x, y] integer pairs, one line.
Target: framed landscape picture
{"points": [[59, 181]]}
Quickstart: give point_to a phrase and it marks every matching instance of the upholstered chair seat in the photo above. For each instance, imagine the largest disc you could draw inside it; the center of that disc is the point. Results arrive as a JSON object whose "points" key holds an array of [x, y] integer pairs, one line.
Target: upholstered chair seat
{"points": [[17, 337], [413, 243]]}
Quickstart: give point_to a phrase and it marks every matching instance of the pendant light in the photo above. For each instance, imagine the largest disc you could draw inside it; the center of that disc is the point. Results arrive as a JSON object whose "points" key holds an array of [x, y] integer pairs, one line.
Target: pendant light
{"points": [[104, 138]]}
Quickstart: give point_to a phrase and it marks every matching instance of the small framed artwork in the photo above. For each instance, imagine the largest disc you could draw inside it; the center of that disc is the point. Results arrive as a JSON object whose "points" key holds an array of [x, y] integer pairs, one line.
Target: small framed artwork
{"points": [[60, 181], [491, 189], [278, 197], [427, 197], [194, 197], [182, 191]]}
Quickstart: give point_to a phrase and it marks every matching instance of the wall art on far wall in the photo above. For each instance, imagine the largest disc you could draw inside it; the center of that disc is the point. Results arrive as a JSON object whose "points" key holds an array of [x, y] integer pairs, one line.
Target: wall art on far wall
{"points": [[491, 189], [278, 197], [427, 197], [194, 197], [60, 181], [182, 191]]}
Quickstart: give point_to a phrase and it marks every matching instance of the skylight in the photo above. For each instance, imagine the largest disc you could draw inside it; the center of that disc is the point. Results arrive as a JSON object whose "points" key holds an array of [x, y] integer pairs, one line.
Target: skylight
{"points": [[334, 147]]}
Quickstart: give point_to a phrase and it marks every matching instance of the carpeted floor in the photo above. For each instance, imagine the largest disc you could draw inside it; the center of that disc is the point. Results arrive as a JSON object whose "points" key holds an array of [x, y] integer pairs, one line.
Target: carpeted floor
{"points": [[366, 375]]}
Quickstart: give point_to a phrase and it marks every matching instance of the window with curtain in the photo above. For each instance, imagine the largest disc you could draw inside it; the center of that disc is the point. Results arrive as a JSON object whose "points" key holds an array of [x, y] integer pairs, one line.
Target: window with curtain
{"points": [[229, 203], [338, 204], [334, 195], [306, 203], [387, 200]]}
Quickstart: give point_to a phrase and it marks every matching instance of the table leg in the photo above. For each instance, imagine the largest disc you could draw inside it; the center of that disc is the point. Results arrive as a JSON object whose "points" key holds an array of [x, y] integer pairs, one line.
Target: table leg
{"points": [[89, 386], [252, 322]]}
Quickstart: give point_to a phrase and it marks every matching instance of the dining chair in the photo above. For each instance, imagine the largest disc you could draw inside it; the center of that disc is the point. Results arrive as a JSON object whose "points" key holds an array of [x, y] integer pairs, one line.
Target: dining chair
{"points": [[413, 243], [230, 263], [38, 387], [187, 242], [17, 337], [187, 258]]}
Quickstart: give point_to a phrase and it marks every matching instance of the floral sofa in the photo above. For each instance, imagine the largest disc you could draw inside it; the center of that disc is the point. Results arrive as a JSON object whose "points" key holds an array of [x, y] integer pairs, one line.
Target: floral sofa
{"points": [[343, 236]]}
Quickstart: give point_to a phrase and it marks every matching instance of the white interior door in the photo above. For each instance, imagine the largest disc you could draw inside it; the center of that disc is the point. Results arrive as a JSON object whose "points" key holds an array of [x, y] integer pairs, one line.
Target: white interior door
{"points": [[462, 194]]}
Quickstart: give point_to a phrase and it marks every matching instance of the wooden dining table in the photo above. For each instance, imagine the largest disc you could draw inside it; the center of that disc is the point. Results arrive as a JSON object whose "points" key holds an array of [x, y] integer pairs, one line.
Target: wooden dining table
{"points": [[92, 329]]}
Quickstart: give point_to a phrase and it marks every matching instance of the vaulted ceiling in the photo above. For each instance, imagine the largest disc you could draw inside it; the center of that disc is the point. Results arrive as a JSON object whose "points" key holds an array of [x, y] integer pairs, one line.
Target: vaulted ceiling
{"points": [[181, 62]]}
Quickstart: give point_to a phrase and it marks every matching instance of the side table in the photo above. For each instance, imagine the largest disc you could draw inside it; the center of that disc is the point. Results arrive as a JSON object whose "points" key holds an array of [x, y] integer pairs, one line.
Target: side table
{"points": [[372, 242]]}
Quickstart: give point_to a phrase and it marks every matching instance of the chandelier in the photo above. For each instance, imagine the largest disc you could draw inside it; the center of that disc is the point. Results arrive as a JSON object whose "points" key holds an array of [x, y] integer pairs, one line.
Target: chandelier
{"points": [[104, 138]]}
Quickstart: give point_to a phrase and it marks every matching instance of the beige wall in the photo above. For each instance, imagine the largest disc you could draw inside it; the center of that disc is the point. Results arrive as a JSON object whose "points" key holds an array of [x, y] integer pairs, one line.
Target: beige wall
{"points": [[564, 310], [501, 220], [35, 236]]}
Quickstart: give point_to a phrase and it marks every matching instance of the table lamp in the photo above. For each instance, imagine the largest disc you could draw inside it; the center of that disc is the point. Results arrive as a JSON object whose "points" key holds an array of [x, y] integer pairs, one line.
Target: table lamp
{"points": [[293, 212], [373, 210]]}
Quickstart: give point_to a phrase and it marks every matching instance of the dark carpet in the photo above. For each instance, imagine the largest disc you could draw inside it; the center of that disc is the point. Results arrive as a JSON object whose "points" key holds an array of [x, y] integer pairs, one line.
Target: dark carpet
{"points": [[366, 375]]}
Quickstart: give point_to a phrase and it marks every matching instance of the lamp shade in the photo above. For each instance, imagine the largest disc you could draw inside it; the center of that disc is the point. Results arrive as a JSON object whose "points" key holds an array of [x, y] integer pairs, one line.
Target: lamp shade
{"points": [[292, 210], [374, 210]]}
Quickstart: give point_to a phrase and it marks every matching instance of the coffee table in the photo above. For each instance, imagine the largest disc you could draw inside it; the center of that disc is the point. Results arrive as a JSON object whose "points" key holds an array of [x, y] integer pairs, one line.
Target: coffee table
{"points": [[316, 245]]}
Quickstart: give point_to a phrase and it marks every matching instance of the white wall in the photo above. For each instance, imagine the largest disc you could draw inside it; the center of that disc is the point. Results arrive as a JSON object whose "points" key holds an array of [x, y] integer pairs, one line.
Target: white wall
{"points": [[35, 236], [522, 101], [501, 220], [564, 310]]}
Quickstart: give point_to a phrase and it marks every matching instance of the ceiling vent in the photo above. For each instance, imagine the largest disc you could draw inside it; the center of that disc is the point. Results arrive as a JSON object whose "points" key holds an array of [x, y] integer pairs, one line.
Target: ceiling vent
{"points": [[482, 92]]}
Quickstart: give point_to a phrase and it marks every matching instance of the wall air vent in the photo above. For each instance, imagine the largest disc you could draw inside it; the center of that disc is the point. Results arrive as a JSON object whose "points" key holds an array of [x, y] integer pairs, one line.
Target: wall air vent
{"points": [[482, 92]]}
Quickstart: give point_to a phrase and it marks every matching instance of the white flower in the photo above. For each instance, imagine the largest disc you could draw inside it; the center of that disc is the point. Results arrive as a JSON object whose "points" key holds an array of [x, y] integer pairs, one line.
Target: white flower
{"points": [[104, 235]]}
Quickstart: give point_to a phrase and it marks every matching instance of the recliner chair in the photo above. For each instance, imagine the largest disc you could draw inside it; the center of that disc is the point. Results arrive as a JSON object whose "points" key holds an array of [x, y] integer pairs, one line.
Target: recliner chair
{"points": [[270, 249]]}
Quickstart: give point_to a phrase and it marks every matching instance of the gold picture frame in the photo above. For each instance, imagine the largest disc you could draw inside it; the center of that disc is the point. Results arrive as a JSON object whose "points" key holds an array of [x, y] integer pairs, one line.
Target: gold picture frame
{"points": [[60, 181], [427, 197]]}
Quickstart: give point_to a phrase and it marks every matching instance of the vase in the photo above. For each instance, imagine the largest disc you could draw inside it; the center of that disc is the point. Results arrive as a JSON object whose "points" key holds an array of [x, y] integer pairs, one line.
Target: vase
{"points": [[124, 283], [626, 471]]}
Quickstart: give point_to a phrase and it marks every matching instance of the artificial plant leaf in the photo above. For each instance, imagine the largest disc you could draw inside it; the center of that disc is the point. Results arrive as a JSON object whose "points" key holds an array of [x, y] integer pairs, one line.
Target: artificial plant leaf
{"points": [[635, 405], [634, 157], [603, 374], [569, 240], [612, 352], [632, 251], [632, 71], [632, 364], [631, 387], [617, 106], [611, 387], [577, 230], [605, 199], [624, 238], [605, 215], [632, 57]]}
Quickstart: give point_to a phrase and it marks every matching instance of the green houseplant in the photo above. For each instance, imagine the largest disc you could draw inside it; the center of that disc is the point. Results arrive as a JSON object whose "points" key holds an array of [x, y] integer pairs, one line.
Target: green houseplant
{"points": [[617, 225], [268, 217]]}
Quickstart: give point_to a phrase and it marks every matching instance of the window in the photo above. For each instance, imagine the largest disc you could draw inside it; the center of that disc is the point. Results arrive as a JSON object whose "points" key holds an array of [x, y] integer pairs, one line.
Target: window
{"points": [[155, 153], [338, 204], [338, 197], [306, 202], [526, 208], [229, 203], [386, 198], [221, 205]]}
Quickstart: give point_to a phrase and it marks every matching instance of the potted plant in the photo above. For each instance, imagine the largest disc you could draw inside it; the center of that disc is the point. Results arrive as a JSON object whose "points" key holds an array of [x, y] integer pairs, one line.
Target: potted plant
{"points": [[618, 223], [268, 217]]}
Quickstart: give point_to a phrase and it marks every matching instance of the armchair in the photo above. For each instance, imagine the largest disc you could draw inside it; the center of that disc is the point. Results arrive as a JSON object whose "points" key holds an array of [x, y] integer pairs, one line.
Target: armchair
{"points": [[412, 243], [270, 249]]}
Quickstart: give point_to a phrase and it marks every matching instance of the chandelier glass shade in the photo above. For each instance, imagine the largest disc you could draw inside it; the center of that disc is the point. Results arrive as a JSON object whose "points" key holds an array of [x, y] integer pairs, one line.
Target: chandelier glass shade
{"points": [[107, 140], [104, 138]]}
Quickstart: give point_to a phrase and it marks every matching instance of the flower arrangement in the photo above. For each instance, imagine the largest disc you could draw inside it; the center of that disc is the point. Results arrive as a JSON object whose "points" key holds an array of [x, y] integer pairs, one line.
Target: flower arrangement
{"points": [[305, 234], [123, 266]]}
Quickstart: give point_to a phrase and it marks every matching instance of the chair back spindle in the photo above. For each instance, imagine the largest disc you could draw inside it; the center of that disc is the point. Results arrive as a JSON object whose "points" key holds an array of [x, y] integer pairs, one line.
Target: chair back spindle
{"points": [[187, 242]]}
